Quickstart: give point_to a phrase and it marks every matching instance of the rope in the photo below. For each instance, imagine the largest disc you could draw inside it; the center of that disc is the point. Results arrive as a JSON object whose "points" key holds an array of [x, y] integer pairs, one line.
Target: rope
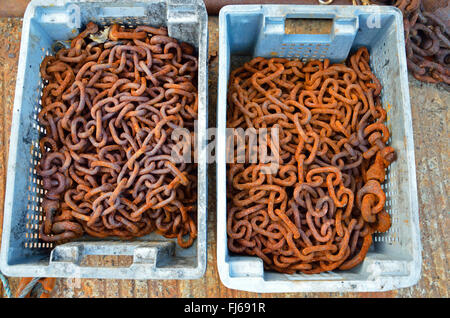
{"points": [[5, 285]]}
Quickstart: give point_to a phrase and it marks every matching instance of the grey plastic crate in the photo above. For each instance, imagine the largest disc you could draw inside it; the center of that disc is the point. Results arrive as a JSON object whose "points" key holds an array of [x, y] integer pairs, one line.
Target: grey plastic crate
{"points": [[394, 260], [153, 256]]}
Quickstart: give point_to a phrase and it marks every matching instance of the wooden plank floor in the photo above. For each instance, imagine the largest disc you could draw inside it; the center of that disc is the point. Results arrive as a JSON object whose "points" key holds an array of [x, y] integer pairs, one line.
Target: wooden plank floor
{"points": [[430, 110]]}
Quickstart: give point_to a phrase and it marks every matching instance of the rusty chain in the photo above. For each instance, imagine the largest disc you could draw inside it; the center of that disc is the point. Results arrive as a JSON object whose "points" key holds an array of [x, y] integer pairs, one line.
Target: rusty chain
{"points": [[427, 41]]}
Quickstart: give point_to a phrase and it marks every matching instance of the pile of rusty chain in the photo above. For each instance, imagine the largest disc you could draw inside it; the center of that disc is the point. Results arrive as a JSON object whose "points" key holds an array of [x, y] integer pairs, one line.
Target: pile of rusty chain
{"points": [[109, 110], [318, 211], [427, 41]]}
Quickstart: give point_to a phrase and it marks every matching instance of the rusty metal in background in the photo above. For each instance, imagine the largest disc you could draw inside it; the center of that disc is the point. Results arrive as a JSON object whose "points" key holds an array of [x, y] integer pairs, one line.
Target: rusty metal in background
{"points": [[426, 32]]}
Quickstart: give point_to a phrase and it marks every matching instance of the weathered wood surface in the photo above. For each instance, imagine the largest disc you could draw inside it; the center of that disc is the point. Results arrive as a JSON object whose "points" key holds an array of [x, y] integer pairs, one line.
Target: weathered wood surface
{"points": [[431, 134]]}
